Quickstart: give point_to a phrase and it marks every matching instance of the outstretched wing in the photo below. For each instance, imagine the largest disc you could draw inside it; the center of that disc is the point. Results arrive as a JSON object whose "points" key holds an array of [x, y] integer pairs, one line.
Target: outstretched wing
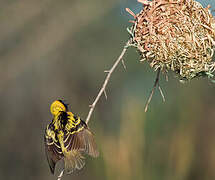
{"points": [[82, 141], [53, 152], [90, 146]]}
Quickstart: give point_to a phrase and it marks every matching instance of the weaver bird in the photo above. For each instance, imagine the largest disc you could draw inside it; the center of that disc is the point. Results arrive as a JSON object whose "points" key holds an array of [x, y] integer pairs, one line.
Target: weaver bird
{"points": [[67, 137]]}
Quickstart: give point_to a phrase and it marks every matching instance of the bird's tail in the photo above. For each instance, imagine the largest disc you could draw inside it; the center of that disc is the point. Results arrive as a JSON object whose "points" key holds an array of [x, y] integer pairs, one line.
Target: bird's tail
{"points": [[73, 160]]}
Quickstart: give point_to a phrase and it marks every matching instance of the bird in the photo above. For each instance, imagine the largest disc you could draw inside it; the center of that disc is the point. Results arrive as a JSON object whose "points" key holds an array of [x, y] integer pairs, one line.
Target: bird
{"points": [[69, 138]]}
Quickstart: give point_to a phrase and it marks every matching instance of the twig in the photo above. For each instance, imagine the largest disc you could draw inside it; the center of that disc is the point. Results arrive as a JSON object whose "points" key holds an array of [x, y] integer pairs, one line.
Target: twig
{"points": [[105, 94], [61, 175], [153, 89], [161, 92], [123, 63], [102, 90]]}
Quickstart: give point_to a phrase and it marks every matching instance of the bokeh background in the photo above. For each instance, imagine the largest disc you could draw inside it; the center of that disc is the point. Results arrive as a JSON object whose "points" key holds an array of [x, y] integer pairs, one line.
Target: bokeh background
{"points": [[51, 49]]}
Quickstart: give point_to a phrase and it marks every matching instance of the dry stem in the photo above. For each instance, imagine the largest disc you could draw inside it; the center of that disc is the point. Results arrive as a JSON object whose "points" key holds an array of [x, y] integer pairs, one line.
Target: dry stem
{"points": [[102, 90], [153, 89], [60, 175]]}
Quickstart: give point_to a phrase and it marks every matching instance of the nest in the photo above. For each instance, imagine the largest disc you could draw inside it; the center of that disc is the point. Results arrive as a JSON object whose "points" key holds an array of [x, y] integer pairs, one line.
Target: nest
{"points": [[177, 35]]}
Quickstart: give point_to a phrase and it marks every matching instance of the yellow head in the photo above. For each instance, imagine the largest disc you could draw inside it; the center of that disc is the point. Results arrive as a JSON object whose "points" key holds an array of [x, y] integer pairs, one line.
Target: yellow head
{"points": [[58, 106]]}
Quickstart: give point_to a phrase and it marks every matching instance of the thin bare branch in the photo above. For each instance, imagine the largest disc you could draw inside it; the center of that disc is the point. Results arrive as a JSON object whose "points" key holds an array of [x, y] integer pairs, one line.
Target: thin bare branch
{"points": [[167, 78], [105, 94], [153, 89], [102, 90], [61, 175], [123, 63], [161, 92]]}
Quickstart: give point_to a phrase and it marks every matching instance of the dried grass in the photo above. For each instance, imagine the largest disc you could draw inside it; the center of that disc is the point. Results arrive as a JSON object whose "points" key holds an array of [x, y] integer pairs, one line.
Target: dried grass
{"points": [[177, 35]]}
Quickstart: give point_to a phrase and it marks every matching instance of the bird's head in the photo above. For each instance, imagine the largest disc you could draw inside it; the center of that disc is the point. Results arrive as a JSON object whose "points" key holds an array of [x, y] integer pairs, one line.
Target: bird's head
{"points": [[57, 107]]}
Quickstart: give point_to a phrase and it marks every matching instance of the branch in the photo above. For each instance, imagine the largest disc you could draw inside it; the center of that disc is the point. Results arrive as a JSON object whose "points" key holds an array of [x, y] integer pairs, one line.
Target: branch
{"points": [[102, 90], [61, 175], [153, 89]]}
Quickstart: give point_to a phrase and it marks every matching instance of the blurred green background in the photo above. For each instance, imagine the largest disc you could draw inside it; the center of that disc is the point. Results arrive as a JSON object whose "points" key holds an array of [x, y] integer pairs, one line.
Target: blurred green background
{"points": [[51, 49]]}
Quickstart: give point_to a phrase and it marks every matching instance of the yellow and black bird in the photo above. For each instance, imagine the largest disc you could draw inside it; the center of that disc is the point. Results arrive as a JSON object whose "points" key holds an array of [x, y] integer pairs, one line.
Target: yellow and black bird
{"points": [[67, 137]]}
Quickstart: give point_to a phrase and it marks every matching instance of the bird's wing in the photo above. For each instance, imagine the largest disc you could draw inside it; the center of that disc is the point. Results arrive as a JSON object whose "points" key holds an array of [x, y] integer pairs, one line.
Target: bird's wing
{"points": [[82, 141], [90, 146], [76, 144], [53, 152]]}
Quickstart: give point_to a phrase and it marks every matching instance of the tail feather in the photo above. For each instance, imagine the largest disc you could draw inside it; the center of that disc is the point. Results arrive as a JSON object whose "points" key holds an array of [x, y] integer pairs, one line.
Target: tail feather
{"points": [[73, 160]]}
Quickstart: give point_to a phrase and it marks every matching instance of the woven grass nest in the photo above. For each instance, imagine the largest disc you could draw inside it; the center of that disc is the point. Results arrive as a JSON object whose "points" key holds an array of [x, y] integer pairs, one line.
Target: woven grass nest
{"points": [[177, 35]]}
